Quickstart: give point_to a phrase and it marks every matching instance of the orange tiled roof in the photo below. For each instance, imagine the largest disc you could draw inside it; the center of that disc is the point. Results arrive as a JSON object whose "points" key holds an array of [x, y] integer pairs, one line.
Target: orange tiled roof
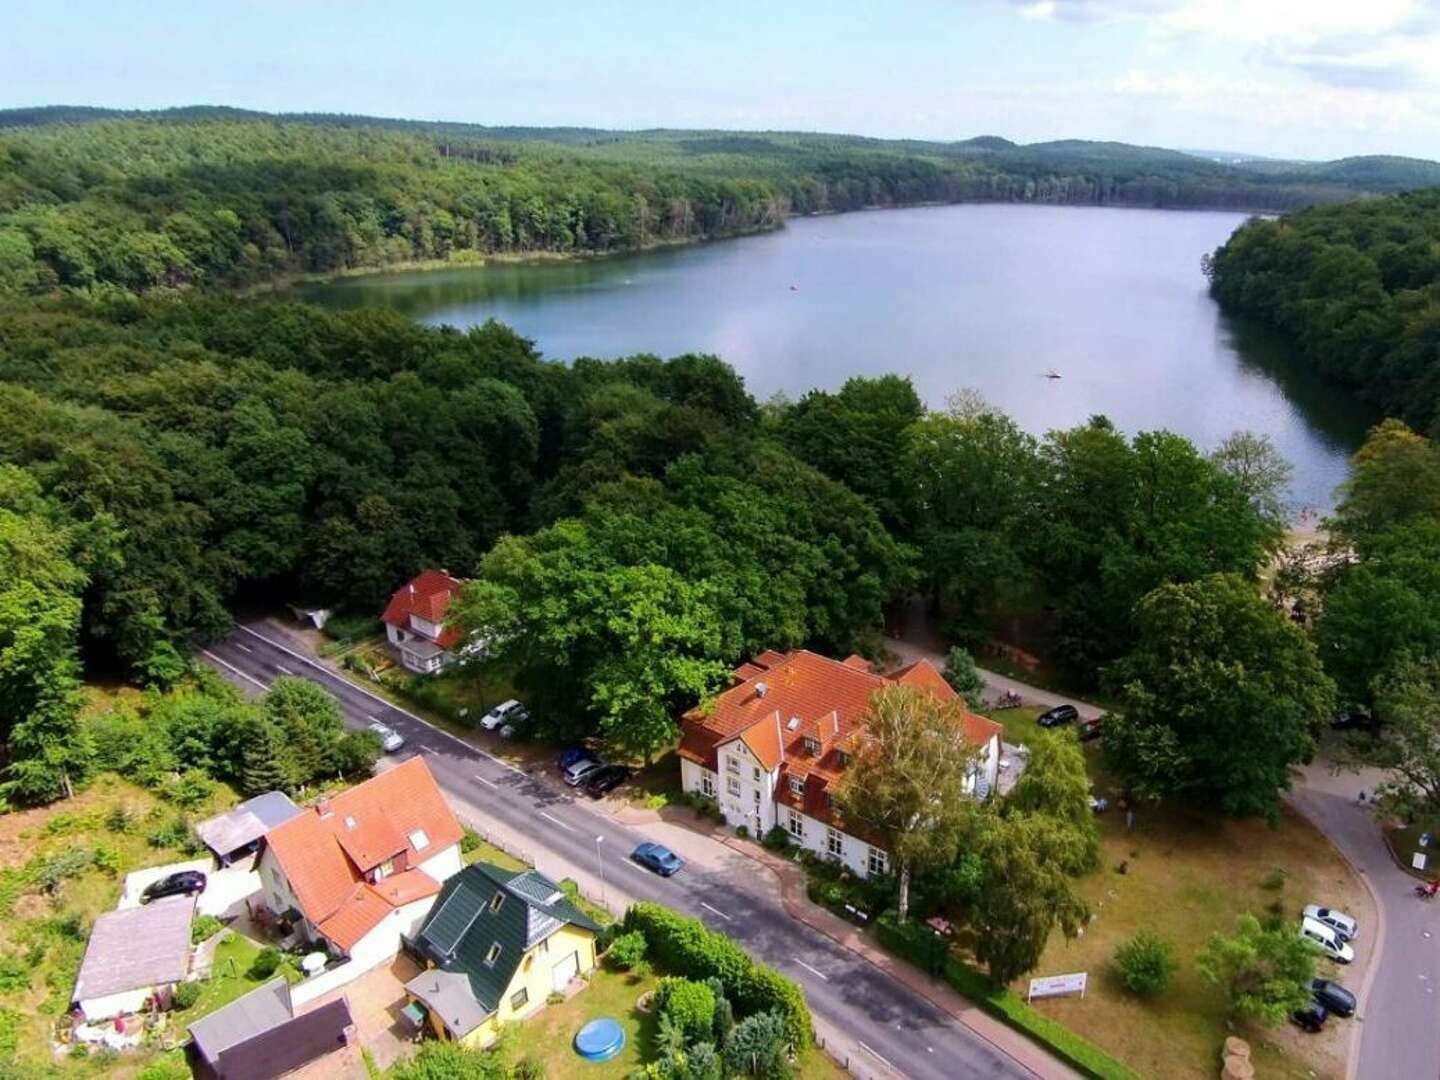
{"points": [[427, 595], [323, 851], [809, 713]]}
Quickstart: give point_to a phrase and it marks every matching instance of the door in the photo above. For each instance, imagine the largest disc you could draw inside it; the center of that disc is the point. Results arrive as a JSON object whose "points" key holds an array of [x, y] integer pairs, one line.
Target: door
{"points": [[565, 970]]}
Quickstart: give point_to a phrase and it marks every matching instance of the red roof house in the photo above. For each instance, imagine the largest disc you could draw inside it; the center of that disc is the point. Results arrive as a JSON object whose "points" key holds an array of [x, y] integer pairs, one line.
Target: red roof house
{"points": [[357, 869], [768, 748], [415, 621]]}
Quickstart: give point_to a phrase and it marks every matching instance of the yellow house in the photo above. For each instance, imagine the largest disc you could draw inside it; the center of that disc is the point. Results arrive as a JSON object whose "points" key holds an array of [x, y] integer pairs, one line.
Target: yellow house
{"points": [[496, 945]]}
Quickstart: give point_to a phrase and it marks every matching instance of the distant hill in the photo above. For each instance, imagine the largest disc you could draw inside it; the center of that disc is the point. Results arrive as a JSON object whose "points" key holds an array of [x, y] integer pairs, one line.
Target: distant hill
{"points": [[211, 195]]}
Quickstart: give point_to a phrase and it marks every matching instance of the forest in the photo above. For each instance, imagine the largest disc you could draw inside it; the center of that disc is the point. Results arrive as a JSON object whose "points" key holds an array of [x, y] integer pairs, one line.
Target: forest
{"points": [[226, 198], [633, 528], [1356, 288]]}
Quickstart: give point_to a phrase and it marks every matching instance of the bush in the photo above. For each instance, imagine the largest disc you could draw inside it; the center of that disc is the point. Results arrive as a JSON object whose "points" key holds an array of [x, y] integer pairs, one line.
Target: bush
{"points": [[963, 676], [204, 927], [528, 1068], [685, 946], [626, 951], [265, 964], [1145, 964], [757, 1047], [191, 789], [187, 994], [913, 942], [173, 833], [53, 871], [107, 858], [348, 629], [689, 1005], [119, 819], [777, 839], [469, 840], [14, 974]]}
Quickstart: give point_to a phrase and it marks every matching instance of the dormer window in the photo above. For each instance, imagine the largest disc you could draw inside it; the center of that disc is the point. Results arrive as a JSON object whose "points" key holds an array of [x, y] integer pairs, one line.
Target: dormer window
{"points": [[418, 840], [492, 955], [349, 822], [495, 902], [797, 786], [811, 745], [842, 758]]}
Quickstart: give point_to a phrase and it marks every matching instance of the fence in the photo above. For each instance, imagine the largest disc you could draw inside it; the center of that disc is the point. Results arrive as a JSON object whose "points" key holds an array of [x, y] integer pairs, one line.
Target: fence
{"points": [[861, 1069]]}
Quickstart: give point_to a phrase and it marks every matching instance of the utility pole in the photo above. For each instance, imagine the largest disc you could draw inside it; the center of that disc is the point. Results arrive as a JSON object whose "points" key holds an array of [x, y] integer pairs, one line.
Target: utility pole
{"points": [[600, 868]]}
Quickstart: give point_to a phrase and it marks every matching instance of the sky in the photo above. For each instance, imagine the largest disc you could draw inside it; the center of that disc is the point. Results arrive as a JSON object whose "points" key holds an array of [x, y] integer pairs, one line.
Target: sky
{"points": [[1315, 79]]}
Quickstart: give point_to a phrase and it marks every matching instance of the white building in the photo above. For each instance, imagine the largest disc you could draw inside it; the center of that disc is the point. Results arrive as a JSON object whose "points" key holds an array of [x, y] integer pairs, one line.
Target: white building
{"points": [[773, 744], [134, 955], [359, 869]]}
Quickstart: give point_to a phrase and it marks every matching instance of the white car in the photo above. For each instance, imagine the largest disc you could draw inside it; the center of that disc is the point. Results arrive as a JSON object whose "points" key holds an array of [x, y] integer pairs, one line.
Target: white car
{"points": [[1325, 940], [1342, 924], [507, 712], [390, 740]]}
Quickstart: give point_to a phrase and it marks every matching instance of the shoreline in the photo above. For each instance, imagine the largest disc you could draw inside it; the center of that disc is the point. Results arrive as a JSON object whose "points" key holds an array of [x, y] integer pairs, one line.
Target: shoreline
{"points": [[479, 261]]}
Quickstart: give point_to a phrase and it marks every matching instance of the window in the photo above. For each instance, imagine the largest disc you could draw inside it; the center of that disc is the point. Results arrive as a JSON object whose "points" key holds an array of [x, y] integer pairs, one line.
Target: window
{"points": [[383, 871], [755, 773], [812, 745], [707, 785], [733, 765], [877, 862], [835, 843], [496, 901], [842, 759], [829, 801], [519, 999], [797, 786], [492, 955], [797, 824], [418, 840], [757, 797], [732, 785]]}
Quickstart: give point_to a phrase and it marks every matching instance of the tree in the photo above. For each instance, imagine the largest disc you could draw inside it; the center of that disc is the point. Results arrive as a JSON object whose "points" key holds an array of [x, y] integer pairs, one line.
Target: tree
{"points": [[1215, 667], [758, 1047], [1145, 963], [1265, 971], [265, 766], [963, 676], [1394, 480], [1055, 783], [1407, 745], [1261, 472], [309, 717], [1025, 893], [907, 782]]}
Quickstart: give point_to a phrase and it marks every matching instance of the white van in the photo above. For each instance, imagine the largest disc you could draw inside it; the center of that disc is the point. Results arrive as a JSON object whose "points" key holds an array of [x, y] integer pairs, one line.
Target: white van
{"points": [[1326, 940]]}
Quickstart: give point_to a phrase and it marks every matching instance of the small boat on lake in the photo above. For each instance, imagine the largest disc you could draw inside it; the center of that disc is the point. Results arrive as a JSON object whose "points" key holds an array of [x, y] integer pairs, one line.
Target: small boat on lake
{"points": [[1052, 374]]}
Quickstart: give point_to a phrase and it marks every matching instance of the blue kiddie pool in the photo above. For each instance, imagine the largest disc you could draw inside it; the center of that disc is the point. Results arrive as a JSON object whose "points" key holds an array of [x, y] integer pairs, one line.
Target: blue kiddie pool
{"points": [[600, 1040]]}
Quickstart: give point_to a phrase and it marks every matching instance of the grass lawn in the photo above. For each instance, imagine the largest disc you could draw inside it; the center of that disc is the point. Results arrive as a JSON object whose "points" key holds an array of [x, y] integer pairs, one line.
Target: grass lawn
{"points": [[1188, 875], [1405, 843], [1019, 724], [550, 1034], [488, 852], [230, 977]]}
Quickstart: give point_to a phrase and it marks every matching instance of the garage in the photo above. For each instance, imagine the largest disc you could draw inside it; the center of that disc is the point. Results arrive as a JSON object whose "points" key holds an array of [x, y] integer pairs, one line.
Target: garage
{"points": [[565, 970]]}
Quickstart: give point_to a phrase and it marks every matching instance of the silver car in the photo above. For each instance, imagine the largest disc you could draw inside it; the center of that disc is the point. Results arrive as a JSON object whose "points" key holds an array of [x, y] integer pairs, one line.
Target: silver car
{"points": [[390, 740], [507, 712], [1342, 924]]}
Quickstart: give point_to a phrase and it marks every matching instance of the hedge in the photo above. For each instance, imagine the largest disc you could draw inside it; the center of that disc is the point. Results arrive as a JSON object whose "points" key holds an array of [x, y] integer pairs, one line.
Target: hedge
{"points": [[685, 947], [930, 953]]}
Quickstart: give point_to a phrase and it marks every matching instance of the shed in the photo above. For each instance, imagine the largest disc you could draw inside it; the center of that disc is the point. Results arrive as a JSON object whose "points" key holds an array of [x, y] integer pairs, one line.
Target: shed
{"points": [[134, 954], [257, 1036], [236, 831]]}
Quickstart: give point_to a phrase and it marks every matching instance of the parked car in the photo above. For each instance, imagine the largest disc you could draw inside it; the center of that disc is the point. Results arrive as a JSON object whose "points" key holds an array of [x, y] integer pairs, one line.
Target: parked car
{"points": [[1060, 714], [659, 858], [181, 883], [574, 754], [581, 771], [1326, 941], [507, 712], [1311, 1017], [1342, 924], [607, 778], [1353, 718], [390, 740], [1336, 999], [1090, 729]]}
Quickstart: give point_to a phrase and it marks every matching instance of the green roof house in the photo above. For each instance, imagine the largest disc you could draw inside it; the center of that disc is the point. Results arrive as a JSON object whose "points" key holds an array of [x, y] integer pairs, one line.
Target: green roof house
{"points": [[496, 944]]}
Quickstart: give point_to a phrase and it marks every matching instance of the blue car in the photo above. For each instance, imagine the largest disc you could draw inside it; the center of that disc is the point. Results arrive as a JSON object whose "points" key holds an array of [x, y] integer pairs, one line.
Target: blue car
{"points": [[657, 857], [574, 756]]}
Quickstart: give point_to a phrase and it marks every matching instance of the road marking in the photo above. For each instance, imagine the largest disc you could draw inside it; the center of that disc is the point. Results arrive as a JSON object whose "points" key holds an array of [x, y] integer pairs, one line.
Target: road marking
{"points": [[232, 667], [487, 783], [716, 910], [556, 821], [497, 760], [822, 975], [285, 669], [880, 1057], [243, 648]]}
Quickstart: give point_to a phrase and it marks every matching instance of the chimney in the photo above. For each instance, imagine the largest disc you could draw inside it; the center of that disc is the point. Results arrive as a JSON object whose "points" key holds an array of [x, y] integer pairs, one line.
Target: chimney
{"points": [[322, 807], [761, 689], [411, 587]]}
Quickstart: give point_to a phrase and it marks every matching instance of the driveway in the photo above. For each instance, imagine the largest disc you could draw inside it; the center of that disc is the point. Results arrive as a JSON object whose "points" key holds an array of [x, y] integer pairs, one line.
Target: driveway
{"points": [[376, 999], [225, 890]]}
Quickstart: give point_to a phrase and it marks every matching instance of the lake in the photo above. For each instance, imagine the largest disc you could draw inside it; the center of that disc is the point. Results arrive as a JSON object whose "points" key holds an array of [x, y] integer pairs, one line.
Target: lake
{"points": [[989, 297]]}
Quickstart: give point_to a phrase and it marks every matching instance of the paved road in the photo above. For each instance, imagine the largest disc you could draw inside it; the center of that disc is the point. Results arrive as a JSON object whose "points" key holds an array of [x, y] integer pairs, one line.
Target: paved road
{"points": [[888, 1023]]}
